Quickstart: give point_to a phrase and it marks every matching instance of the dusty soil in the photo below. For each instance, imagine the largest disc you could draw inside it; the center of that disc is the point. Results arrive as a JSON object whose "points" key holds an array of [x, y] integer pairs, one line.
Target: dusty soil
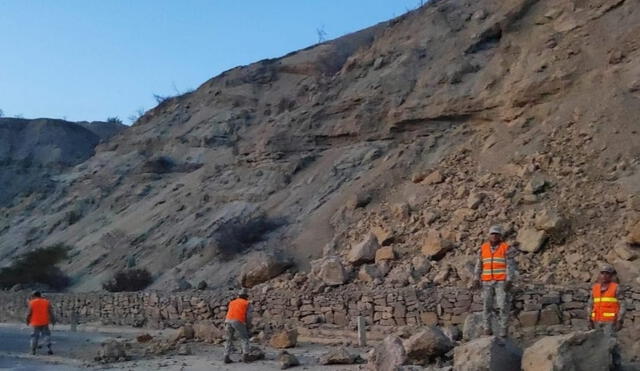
{"points": [[76, 350], [524, 107], [208, 357]]}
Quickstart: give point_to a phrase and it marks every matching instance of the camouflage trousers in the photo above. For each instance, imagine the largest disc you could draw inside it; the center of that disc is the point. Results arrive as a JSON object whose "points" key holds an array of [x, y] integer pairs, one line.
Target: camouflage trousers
{"points": [[606, 327], [40, 331], [236, 329], [495, 302]]}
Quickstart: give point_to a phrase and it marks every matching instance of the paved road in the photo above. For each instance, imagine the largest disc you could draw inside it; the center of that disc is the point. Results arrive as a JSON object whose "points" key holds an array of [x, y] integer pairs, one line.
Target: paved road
{"points": [[20, 364], [14, 349]]}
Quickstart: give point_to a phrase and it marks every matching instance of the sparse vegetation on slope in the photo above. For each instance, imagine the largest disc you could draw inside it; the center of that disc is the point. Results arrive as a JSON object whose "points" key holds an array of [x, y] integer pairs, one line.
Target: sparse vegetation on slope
{"points": [[423, 130], [37, 267], [128, 280], [236, 236]]}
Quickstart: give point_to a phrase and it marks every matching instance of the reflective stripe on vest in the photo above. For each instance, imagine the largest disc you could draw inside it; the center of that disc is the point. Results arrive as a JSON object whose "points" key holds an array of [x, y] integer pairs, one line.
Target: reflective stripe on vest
{"points": [[605, 300], [238, 310], [605, 304], [39, 312], [494, 266]]}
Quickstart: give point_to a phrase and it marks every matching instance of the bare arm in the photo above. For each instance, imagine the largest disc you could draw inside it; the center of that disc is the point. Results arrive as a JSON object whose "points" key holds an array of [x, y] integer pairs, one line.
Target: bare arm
{"points": [[249, 317], [622, 309], [511, 263], [52, 317], [477, 271], [29, 316]]}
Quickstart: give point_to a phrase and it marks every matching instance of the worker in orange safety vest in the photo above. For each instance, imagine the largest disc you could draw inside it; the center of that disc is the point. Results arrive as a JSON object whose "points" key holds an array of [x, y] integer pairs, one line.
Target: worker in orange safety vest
{"points": [[606, 311], [494, 271], [238, 324], [40, 316]]}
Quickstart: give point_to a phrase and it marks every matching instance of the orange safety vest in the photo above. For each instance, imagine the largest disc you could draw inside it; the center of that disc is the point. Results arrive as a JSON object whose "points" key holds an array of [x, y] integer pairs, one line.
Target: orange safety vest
{"points": [[238, 310], [494, 266], [39, 312], [605, 304]]}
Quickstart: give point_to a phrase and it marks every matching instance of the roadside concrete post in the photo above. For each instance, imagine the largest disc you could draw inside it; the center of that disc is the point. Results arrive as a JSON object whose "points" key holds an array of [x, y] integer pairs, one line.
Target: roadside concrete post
{"points": [[362, 332]]}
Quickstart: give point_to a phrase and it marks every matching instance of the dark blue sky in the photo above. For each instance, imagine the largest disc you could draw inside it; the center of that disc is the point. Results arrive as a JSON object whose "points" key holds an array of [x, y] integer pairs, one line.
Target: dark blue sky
{"points": [[91, 59]]}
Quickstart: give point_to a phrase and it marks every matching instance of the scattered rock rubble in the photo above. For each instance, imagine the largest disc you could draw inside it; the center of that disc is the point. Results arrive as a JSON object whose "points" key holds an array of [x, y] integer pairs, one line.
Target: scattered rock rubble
{"points": [[399, 181]]}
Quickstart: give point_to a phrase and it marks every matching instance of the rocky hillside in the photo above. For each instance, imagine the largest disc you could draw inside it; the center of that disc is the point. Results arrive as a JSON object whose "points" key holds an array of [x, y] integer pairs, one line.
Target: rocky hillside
{"points": [[416, 134], [33, 152]]}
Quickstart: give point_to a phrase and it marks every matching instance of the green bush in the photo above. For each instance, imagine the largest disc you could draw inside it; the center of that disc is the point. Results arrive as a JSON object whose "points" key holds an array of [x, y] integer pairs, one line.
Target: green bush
{"points": [[37, 266], [128, 280]]}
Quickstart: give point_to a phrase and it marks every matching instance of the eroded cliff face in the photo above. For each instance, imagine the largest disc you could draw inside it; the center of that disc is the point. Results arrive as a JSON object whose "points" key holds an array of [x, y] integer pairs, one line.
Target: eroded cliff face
{"points": [[33, 152], [451, 118]]}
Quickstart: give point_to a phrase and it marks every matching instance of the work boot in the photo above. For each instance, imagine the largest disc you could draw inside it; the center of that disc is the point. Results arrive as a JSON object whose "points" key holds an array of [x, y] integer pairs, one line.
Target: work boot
{"points": [[50, 352], [488, 332], [227, 359], [245, 358]]}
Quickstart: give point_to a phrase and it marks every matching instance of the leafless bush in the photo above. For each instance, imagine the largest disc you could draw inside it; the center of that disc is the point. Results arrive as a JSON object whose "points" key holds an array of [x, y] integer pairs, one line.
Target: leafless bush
{"points": [[128, 280], [237, 235]]}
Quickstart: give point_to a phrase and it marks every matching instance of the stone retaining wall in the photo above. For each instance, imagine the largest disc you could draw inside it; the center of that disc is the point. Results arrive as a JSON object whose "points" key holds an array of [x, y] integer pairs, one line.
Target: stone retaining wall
{"points": [[539, 309]]}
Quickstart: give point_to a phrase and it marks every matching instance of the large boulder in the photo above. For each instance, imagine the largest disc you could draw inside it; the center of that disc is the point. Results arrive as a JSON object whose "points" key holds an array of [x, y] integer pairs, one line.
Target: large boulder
{"points": [[177, 285], [183, 350], [572, 352], [426, 345], [384, 234], [284, 339], [531, 239], [435, 177], [399, 275], [385, 253], [436, 245], [112, 351], [202, 285], [365, 251], [537, 184], [287, 360], [368, 273], [254, 354], [487, 354], [552, 223], [338, 356], [453, 332], [473, 326], [388, 355], [464, 266], [627, 271], [262, 267], [443, 275], [420, 266], [474, 200], [330, 271], [185, 332], [634, 234], [625, 252], [208, 332]]}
